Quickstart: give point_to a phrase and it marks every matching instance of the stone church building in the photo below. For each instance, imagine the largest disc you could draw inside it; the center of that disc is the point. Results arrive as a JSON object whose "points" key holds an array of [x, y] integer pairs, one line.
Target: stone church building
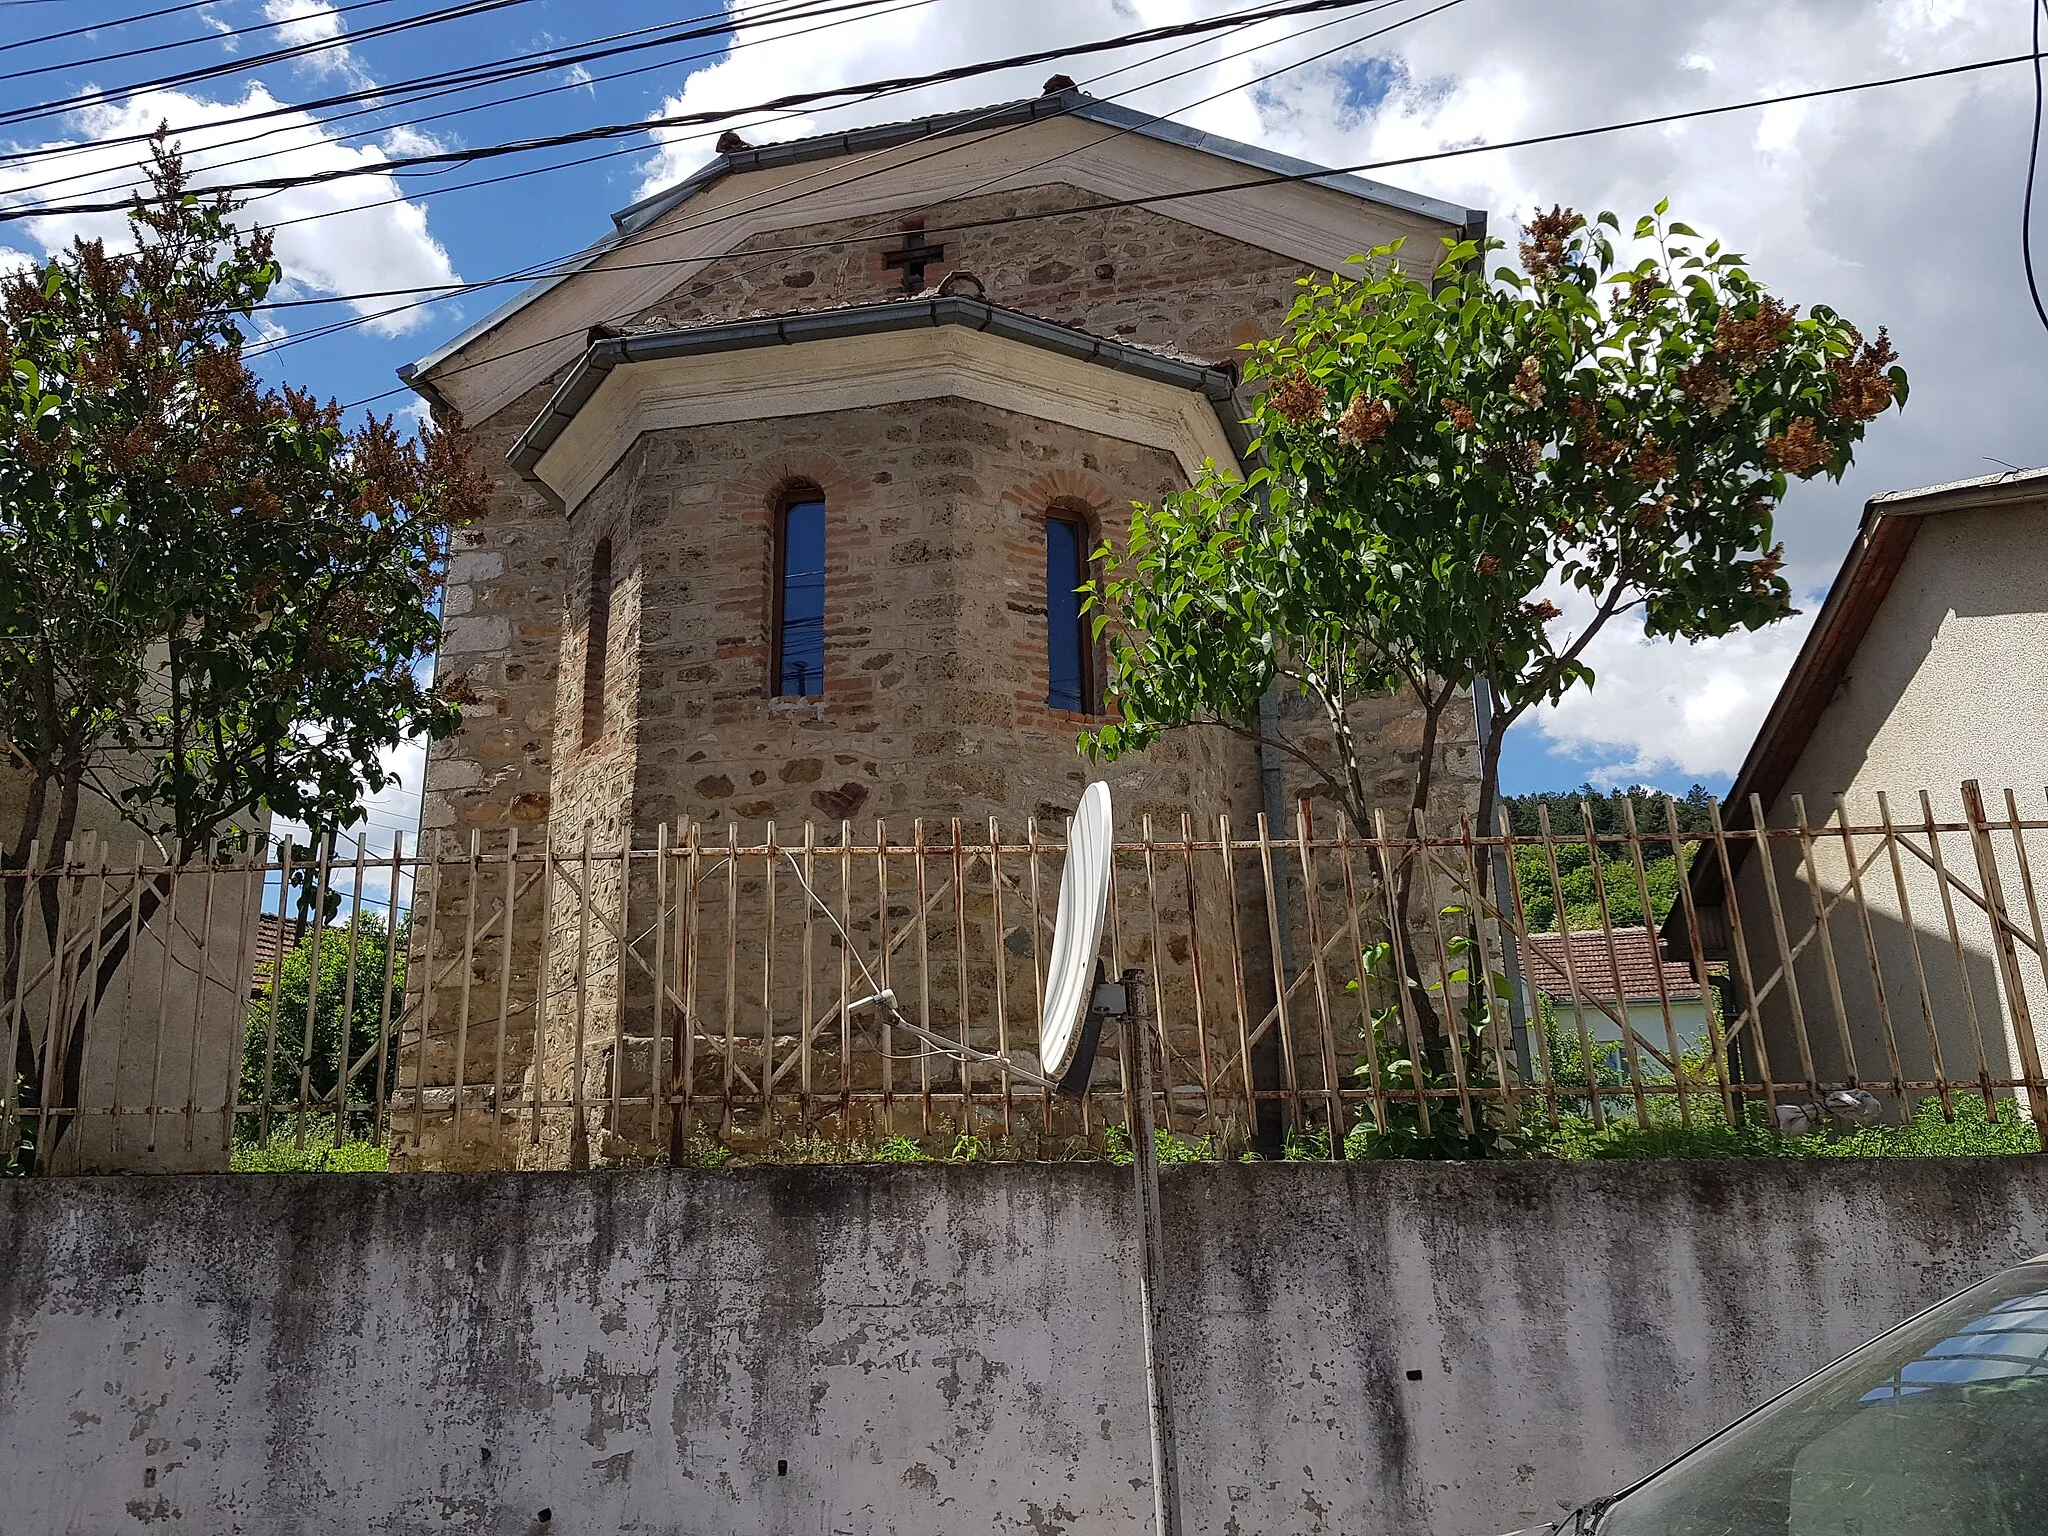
{"points": [[796, 471]]}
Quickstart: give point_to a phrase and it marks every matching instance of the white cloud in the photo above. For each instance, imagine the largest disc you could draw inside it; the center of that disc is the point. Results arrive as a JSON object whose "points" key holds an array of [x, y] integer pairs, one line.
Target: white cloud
{"points": [[303, 23], [367, 242], [1656, 708], [576, 74]]}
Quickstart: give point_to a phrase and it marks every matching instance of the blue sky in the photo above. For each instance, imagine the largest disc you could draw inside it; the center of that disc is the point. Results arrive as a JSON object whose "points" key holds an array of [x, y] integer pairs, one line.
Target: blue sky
{"points": [[1898, 207]]}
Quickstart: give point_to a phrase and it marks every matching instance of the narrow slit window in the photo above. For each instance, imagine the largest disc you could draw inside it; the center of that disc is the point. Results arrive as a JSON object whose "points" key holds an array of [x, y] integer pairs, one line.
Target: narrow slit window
{"points": [[800, 599], [597, 635], [1069, 674]]}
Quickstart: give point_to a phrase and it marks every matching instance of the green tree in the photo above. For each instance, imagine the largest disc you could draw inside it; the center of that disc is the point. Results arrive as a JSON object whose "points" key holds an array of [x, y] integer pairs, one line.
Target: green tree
{"points": [[1437, 459], [278, 1058], [215, 597]]}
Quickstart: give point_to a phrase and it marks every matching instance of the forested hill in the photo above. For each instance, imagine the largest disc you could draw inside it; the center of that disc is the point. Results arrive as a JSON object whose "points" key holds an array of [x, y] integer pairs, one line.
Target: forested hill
{"points": [[1617, 869]]}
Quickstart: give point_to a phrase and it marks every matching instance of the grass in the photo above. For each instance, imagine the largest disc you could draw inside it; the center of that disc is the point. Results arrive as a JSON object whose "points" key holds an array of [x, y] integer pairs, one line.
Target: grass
{"points": [[283, 1153], [1972, 1133]]}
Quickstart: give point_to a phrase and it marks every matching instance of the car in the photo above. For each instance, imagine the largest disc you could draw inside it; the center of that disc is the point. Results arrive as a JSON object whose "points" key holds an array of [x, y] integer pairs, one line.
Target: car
{"points": [[1937, 1428]]}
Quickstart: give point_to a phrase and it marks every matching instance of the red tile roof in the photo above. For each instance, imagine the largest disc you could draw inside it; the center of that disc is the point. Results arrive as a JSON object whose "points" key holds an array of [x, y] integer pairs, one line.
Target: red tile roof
{"points": [[1634, 958]]}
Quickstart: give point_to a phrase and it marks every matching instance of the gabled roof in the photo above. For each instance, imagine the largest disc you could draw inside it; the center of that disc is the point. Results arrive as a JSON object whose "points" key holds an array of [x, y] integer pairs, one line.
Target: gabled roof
{"points": [[1875, 558], [1626, 973], [630, 221]]}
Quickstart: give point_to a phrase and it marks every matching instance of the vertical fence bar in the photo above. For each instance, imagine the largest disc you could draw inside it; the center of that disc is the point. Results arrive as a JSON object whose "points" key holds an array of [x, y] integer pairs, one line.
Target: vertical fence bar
{"points": [[469, 900], [1454, 1026], [1825, 932], [966, 1036], [1226, 851], [1187, 843], [1595, 1108], [1962, 962], [1912, 932], [430, 864], [924, 980], [1368, 1032], [543, 986], [2014, 979], [770, 870], [1281, 1021], [657, 1034], [807, 999], [732, 971], [1788, 970], [579, 1126], [1508, 1069], [1037, 969], [1630, 1055], [998, 955], [1158, 968], [1654, 943], [2026, 873], [885, 1028], [240, 1037], [1738, 945], [323, 882], [505, 953], [1710, 997], [342, 1074], [95, 853], [380, 1109], [1877, 987], [1332, 1068], [17, 1013], [169, 913], [1546, 1069], [1398, 940], [846, 975], [683, 1052]]}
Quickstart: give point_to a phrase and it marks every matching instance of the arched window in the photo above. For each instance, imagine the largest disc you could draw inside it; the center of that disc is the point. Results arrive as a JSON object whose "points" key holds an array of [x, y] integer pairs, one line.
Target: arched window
{"points": [[1069, 648], [798, 665], [597, 640]]}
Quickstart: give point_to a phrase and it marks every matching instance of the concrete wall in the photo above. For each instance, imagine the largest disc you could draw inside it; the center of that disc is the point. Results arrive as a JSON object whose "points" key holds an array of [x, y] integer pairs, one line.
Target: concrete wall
{"points": [[1945, 687], [1450, 1349]]}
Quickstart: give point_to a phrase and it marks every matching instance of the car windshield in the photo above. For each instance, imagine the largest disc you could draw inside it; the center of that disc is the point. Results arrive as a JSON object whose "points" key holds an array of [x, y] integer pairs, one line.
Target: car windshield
{"points": [[1939, 1427]]}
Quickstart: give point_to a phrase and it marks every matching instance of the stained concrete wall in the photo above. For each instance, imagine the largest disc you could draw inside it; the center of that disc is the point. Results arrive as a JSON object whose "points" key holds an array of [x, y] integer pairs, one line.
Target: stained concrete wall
{"points": [[1365, 1349]]}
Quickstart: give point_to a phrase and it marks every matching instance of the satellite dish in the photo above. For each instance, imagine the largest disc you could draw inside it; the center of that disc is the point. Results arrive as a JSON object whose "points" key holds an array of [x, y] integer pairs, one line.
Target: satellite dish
{"points": [[1066, 1049]]}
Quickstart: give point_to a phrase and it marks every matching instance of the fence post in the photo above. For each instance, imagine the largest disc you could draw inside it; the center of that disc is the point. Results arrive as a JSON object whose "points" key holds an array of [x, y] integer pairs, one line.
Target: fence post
{"points": [[2009, 972]]}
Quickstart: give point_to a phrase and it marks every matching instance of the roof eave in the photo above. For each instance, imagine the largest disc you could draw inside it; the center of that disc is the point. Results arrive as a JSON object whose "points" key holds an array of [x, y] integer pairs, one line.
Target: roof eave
{"points": [[1214, 384]]}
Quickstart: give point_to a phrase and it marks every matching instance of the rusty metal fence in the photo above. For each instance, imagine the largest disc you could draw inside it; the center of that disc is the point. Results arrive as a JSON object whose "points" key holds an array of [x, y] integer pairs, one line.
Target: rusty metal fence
{"points": [[521, 1001]]}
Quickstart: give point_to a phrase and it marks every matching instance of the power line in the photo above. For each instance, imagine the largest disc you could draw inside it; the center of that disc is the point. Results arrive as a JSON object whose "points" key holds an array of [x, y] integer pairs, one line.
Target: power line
{"points": [[2033, 162], [692, 119], [797, 10], [185, 42], [452, 81], [1320, 173], [456, 12], [97, 26], [884, 228]]}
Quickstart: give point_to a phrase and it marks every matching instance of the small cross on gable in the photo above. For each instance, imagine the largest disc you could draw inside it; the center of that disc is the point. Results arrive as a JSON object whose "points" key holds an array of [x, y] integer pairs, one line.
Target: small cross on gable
{"points": [[913, 256]]}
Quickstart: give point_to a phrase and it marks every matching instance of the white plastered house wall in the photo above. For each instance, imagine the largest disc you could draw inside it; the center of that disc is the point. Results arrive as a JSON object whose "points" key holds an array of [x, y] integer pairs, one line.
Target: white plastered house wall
{"points": [[1923, 671], [168, 1030]]}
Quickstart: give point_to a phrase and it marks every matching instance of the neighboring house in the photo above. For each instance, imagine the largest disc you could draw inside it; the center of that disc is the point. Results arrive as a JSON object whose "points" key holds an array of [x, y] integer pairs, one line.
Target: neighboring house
{"points": [[1922, 671], [798, 468], [1601, 973]]}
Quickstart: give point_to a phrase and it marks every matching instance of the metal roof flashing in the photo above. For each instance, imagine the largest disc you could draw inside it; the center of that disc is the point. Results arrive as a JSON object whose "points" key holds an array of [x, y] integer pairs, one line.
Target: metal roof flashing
{"points": [[1216, 385], [636, 217]]}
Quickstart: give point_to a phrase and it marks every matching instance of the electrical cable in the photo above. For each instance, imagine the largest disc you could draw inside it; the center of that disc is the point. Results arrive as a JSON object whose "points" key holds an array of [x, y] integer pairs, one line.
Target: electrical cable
{"points": [[801, 10], [187, 42], [2033, 162], [458, 11], [1360, 167], [490, 72], [691, 119], [97, 26], [885, 228]]}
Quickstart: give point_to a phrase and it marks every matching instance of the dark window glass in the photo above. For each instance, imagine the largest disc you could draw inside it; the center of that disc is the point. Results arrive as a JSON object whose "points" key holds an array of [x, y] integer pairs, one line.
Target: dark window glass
{"points": [[1067, 651], [800, 601], [597, 640]]}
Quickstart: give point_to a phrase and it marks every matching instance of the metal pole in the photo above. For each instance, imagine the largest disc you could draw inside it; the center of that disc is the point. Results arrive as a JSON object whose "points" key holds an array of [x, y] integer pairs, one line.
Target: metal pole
{"points": [[1152, 1248]]}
